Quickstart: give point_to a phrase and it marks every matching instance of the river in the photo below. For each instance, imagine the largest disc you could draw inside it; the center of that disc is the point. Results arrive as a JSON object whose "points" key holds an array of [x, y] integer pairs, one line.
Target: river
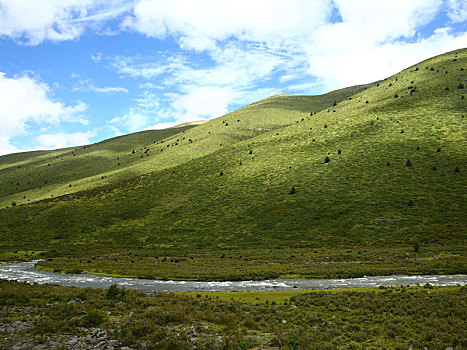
{"points": [[23, 272]]}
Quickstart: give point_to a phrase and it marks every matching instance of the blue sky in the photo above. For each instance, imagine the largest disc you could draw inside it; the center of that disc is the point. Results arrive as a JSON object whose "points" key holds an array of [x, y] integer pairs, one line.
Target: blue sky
{"points": [[74, 72]]}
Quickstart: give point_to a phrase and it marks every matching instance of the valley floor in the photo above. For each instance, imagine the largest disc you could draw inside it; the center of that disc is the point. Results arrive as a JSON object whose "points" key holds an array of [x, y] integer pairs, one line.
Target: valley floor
{"points": [[223, 264]]}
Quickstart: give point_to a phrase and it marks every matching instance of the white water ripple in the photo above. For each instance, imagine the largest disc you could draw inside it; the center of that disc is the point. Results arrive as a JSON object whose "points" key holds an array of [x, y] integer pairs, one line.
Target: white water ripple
{"points": [[23, 272]]}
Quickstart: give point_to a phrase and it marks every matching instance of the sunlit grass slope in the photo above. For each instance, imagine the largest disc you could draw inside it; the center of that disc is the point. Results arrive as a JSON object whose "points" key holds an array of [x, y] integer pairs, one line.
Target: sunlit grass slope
{"points": [[384, 166], [31, 176]]}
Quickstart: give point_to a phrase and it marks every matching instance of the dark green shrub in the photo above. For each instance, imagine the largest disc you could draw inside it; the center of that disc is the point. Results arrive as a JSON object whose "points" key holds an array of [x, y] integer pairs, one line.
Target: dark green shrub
{"points": [[113, 292], [93, 318], [457, 169], [327, 159], [293, 190], [13, 204], [396, 95], [408, 163]]}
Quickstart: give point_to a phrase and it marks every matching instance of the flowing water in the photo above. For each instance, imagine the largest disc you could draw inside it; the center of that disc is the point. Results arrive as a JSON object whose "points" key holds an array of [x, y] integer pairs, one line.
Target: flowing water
{"points": [[23, 272]]}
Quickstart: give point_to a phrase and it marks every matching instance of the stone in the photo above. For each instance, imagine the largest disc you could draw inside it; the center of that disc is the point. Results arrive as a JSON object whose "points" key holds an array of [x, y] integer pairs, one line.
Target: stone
{"points": [[40, 347], [101, 344], [113, 343]]}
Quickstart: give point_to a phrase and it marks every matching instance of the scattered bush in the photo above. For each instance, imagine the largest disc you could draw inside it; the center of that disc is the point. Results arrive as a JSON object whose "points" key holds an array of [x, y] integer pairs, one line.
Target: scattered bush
{"points": [[416, 246], [408, 163], [327, 159], [293, 190], [93, 318], [460, 86], [113, 292]]}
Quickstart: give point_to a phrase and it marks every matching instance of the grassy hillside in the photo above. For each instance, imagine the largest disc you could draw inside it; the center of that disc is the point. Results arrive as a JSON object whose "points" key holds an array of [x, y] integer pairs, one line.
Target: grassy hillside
{"points": [[385, 167], [31, 176]]}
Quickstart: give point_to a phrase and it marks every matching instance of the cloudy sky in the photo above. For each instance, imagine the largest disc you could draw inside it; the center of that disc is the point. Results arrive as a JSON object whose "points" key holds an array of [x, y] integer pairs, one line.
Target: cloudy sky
{"points": [[74, 72]]}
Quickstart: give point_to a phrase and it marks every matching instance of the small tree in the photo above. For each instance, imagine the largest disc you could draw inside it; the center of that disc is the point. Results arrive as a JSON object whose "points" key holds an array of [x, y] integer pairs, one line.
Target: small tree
{"points": [[292, 191], [460, 86], [13, 204], [408, 163], [327, 159], [113, 292]]}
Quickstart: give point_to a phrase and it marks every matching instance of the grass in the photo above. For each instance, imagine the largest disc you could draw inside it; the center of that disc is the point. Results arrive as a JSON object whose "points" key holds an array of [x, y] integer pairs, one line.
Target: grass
{"points": [[284, 297], [258, 264], [397, 318], [227, 191], [20, 255]]}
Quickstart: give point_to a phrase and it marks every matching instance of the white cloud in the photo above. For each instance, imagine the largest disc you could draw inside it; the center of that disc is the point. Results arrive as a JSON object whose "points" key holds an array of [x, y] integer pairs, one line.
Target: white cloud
{"points": [[24, 100], [248, 41], [200, 25], [32, 21], [457, 10], [148, 70], [63, 140], [108, 89], [348, 53], [132, 121], [201, 103], [86, 85]]}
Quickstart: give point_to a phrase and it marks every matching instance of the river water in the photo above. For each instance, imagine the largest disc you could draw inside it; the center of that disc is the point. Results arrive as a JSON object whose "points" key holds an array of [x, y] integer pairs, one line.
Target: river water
{"points": [[23, 272]]}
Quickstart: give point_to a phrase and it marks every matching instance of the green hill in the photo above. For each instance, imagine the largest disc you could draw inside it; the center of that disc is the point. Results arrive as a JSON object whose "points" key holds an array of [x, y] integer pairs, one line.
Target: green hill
{"points": [[31, 176], [271, 190]]}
